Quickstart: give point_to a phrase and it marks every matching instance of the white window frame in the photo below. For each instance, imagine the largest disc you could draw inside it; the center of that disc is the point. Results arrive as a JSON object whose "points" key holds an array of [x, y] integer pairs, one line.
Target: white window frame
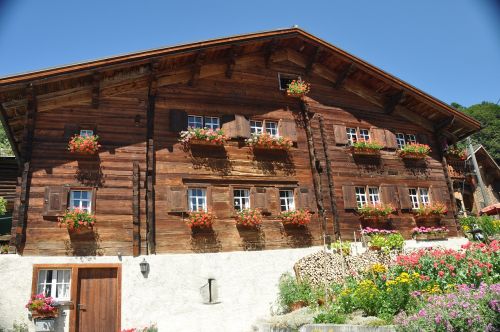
{"points": [[80, 200], [361, 198], [352, 135], [400, 140], [42, 283], [374, 195], [410, 139], [419, 196], [256, 127], [194, 120], [212, 122], [197, 199], [271, 128], [86, 132], [364, 134], [424, 196], [287, 200], [241, 198]]}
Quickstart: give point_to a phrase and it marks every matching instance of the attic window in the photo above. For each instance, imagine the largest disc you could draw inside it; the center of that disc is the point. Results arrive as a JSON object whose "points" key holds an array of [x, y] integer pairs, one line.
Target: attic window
{"points": [[286, 79]]}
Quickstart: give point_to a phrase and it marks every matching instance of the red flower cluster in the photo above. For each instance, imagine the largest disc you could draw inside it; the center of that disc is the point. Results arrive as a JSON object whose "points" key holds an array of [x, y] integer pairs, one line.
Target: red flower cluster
{"points": [[77, 219], [41, 304], [414, 150], [200, 219], [296, 217], [84, 144], [249, 217], [267, 141], [298, 88]]}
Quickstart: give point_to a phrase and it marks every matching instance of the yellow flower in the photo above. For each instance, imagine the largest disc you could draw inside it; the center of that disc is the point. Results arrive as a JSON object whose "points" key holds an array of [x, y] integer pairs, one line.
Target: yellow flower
{"points": [[466, 228], [378, 268]]}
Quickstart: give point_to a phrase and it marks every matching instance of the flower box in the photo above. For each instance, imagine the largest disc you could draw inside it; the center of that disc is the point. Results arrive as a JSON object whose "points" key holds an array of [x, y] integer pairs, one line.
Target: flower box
{"points": [[265, 141], [456, 153], [202, 136], [414, 151], [298, 88], [430, 233], [200, 220], [77, 221], [88, 144], [249, 218], [376, 212], [41, 315], [41, 306], [366, 148], [295, 218], [431, 212]]}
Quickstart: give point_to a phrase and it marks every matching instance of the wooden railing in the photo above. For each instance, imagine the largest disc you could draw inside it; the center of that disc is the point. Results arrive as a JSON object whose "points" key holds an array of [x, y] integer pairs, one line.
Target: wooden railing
{"points": [[456, 169]]}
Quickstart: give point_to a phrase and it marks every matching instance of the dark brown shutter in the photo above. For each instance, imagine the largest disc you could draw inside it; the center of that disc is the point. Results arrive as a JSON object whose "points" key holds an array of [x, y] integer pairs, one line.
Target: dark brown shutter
{"points": [[349, 196], [378, 135], [178, 120], [404, 198], [388, 195], [259, 198], [177, 200], [340, 134], [70, 130], [390, 140], [423, 139], [288, 129], [305, 198], [439, 194], [94, 199], [55, 201], [236, 126]]}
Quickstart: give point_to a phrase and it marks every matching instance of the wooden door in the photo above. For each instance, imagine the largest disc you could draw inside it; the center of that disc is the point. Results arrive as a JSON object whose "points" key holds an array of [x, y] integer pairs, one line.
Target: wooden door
{"points": [[97, 300]]}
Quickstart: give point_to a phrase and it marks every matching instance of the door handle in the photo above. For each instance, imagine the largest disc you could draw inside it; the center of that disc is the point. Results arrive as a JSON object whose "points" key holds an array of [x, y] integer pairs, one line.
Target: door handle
{"points": [[80, 306]]}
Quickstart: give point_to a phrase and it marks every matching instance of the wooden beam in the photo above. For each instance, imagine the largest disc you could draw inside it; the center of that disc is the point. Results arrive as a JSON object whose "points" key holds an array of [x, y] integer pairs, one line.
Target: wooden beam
{"points": [[136, 230], [445, 124], [231, 62], [344, 73], [312, 60], [393, 101], [96, 89], [195, 71], [270, 49]]}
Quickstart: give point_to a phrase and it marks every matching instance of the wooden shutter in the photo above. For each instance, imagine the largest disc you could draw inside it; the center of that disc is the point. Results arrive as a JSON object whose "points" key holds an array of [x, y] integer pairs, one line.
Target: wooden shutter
{"points": [[378, 135], [439, 194], [177, 200], [404, 198], [423, 139], [390, 140], [305, 198], [259, 198], [70, 130], [349, 196], [388, 195], [55, 200], [178, 120], [340, 134], [288, 129], [235, 126]]}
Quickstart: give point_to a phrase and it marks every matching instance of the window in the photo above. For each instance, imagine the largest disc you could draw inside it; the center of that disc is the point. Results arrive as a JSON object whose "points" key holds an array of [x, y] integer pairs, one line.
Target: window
{"points": [[54, 283], [80, 199], [351, 136], [361, 196], [373, 197], [256, 127], [197, 199], [272, 128], [403, 139], [241, 199], [197, 121], [86, 132], [286, 79], [419, 196], [212, 122], [364, 134], [286, 200]]}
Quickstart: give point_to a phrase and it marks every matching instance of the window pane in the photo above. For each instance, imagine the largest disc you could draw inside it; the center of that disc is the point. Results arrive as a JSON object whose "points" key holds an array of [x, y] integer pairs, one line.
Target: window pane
{"points": [[374, 195], [272, 128], [364, 134], [400, 140], [360, 196], [286, 200], [195, 121], [255, 127], [212, 122], [86, 132], [351, 135]]}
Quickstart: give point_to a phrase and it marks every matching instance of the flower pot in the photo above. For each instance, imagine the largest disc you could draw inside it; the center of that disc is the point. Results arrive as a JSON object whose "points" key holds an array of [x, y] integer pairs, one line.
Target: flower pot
{"points": [[413, 156], [45, 325], [365, 152], [297, 305], [263, 147], [80, 230], [201, 142], [45, 315], [421, 236]]}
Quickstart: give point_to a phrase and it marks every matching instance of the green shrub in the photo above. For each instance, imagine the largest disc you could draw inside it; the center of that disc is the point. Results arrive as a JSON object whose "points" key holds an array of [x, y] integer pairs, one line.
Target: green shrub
{"points": [[489, 225], [367, 297], [292, 291], [3, 206], [344, 247], [394, 241], [332, 315]]}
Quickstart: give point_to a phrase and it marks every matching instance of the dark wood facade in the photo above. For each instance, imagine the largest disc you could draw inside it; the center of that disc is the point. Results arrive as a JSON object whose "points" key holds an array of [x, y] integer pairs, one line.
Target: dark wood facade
{"points": [[138, 105]]}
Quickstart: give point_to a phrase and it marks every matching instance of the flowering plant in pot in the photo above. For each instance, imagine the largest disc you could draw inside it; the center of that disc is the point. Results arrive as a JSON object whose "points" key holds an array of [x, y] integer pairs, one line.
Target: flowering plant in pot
{"points": [[42, 306], [84, 144], [436, 209], [364, 147], [414, 151], [295, 217], [298, 88], [203, 136], [266, 141], [375, 231], [200, 219], [429, 233], [376, 211], [249, 217], [77, 219], [457, 153]]}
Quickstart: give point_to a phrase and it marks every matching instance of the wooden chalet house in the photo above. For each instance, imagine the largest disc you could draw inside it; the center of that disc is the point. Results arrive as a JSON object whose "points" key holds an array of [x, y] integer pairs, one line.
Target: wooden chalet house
{"points": [[143, 182]]}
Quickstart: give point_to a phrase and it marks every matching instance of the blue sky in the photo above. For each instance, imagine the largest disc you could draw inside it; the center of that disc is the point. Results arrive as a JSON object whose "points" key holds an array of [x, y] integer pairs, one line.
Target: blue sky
{"points": [[448, 48]]}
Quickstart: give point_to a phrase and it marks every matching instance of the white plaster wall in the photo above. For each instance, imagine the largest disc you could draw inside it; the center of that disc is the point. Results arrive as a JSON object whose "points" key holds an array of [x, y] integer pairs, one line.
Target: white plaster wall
{"points": [[170, 295]]}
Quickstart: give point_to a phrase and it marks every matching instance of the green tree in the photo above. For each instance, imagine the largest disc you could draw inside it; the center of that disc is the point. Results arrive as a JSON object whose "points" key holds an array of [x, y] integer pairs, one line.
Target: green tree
{"points": [[489, 115], [5, 149]]}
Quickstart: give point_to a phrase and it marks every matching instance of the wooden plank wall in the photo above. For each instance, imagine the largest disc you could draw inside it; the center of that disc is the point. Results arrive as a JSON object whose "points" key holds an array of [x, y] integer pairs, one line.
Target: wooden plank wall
{"points": [[8, 179]]}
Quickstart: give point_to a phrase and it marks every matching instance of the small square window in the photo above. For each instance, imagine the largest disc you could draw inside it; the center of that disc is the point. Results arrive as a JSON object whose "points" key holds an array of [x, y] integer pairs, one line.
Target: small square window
{"points": [[256, 127], [364, 134], [80, 199], [286, 79], [351, 135], [400, 140], [195, 121], [241, 199], [86, 132], [374, 195], [212, 122], [411, 139], [271, 128], [287, 202], [54, 283], [414, 198], [197, 199], [361, 196]]}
